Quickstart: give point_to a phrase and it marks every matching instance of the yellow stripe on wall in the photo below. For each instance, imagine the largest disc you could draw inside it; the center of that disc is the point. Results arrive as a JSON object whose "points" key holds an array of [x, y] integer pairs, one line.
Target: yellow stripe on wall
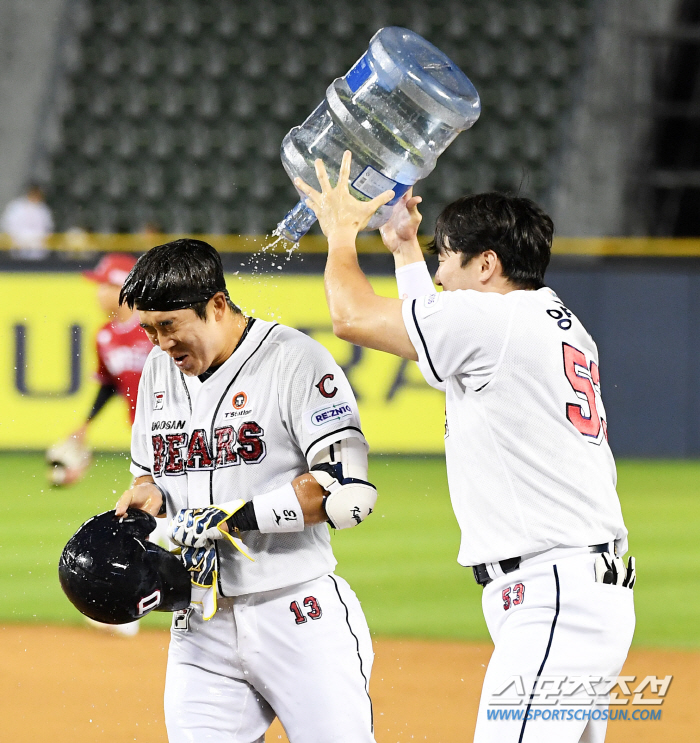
{"points": [[400, 412], [82, 243]]}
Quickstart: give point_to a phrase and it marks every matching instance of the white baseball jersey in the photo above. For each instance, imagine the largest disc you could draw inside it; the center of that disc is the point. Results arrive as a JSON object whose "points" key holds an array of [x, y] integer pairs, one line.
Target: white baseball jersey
{"points": [[528, 461], [251, 427]]}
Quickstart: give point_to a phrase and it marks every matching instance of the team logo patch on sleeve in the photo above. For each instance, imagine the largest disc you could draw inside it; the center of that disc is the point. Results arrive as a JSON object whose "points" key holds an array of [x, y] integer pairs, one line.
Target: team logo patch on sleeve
{"points": [[326, 386], [158, 400], [326, 415]]}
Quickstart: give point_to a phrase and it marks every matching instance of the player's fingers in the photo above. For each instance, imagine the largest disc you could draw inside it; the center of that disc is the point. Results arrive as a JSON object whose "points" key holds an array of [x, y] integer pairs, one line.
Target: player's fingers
{"points": [[322, 175], [123, 503], [407, 196], [413, 202], [344, 175], [313, 205], [380, 200], [305, 188]]}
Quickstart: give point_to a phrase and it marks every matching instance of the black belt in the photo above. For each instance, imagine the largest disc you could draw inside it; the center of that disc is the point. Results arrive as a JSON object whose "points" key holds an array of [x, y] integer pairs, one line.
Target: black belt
{"points": [[482, 577]]}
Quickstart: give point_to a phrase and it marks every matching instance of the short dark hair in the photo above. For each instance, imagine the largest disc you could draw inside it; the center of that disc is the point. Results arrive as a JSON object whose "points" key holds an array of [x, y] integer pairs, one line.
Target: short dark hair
{"points": [[515, 228], [182, 274]]}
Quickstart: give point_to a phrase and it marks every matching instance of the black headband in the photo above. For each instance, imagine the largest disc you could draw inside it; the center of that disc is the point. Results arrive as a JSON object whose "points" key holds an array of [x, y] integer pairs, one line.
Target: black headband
{"points": [[169, 304]]}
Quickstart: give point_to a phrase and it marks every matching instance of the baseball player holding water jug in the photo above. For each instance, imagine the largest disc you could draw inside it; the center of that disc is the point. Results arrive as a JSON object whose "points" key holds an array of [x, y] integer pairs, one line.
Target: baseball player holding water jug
{"points": [[531, 476], [247, 436]]}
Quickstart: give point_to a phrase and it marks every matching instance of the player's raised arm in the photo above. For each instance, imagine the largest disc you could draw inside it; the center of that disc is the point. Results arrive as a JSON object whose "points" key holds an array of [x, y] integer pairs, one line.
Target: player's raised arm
{"points": [[400, 236], [359, 315], [400, 233]]}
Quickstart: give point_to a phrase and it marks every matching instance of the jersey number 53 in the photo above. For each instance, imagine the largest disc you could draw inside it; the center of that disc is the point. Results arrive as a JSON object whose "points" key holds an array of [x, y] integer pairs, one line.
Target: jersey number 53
{"points": [[585, 381]]}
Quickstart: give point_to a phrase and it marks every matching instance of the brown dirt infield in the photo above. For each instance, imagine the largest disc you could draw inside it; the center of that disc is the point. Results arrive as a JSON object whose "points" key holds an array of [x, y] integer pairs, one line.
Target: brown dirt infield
{"points": [[74, 685]]}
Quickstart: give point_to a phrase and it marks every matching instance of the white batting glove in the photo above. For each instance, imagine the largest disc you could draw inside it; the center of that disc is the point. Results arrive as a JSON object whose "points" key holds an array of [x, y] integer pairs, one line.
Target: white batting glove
{"points": [[198, 527]]}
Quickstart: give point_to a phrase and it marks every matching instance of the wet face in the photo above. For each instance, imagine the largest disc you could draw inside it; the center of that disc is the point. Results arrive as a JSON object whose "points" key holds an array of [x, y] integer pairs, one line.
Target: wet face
{"points": [[192, 343]]}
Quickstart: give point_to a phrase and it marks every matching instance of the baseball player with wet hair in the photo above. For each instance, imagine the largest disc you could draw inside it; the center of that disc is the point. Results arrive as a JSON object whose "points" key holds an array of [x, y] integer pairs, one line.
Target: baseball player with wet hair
{"points": [[531, 476], [247, 437]]}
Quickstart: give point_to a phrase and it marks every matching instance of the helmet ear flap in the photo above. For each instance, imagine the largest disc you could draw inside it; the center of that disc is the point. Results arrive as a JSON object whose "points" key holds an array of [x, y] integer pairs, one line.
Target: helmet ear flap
{"points": [[176, 584]]}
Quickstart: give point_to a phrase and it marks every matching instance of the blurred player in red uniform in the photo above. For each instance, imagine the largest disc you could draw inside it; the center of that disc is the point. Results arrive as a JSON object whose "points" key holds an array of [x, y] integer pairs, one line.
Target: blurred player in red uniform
{"points": [[122, 345], [122, 348]]}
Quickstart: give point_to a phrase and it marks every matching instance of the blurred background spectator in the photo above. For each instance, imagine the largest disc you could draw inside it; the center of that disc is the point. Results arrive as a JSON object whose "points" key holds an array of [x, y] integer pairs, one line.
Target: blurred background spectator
{"points": [[28, 221]]}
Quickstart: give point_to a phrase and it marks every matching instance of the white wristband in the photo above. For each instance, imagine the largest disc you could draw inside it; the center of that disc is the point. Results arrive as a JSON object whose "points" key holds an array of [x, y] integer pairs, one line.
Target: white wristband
{"points": [[414, 280], [278, 511]]}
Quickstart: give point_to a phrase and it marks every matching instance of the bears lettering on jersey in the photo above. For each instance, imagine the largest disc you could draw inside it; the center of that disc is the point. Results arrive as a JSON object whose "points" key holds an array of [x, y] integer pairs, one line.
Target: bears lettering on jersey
{"points": [[174, 462], [198, 454], [252, 447], [176, 453], [225, 438]]}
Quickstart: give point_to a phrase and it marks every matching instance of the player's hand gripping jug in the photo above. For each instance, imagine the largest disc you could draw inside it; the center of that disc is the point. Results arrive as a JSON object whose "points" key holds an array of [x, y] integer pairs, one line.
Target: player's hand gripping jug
{"points": [[396, 110]]}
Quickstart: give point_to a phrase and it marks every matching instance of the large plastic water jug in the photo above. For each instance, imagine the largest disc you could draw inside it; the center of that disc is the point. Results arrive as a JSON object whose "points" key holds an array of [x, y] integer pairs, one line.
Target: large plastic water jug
{"points": [[396, 110]]}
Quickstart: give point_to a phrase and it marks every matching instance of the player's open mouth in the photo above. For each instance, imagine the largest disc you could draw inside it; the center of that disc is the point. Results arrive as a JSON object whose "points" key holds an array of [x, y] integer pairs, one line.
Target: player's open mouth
{"points": [[179, 360]]}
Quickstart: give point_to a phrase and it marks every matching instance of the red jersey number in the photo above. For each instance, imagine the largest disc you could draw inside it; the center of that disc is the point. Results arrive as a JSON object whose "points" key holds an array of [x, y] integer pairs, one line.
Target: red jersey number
{"points": [[582, 377], [314, 610]]}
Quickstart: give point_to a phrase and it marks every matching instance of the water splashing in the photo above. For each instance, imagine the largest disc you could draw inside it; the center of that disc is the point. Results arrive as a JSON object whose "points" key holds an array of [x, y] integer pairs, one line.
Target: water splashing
{"points": [[275, 251]]}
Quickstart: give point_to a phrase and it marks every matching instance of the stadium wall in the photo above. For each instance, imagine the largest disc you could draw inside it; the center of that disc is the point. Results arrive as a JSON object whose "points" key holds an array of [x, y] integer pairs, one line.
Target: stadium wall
{"points": [[643, 314], [604, 149], [28, 36]]}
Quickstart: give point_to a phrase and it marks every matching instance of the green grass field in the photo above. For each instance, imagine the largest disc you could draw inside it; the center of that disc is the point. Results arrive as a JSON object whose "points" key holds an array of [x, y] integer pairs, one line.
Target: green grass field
{"points": [[401, 562]]}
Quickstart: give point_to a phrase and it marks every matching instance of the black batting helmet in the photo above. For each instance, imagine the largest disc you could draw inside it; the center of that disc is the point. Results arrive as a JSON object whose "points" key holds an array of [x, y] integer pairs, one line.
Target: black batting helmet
{"points": [[113, 574]]}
